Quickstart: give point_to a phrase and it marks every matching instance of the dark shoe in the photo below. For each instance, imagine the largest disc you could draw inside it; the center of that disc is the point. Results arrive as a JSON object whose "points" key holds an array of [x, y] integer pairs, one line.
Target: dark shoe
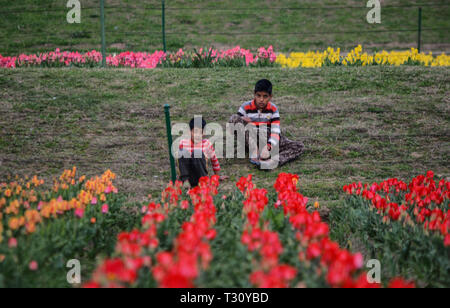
{"points": [[255, 162]]}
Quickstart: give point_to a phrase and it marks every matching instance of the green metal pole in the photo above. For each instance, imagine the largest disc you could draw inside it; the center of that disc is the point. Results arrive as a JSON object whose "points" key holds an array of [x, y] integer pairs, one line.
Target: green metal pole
{"points": [[102, 21], [170, 141], [419, 30], [163, 22]]}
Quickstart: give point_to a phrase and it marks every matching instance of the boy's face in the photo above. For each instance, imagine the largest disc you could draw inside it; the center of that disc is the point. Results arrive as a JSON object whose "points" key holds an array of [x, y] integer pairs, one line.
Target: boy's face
{"points": [[197, 135], [262, 99]]}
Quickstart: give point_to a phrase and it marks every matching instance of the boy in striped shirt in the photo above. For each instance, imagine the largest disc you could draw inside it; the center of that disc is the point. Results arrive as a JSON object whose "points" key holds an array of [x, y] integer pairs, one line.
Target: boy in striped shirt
{"points": [[194, 154], [261, 112]]}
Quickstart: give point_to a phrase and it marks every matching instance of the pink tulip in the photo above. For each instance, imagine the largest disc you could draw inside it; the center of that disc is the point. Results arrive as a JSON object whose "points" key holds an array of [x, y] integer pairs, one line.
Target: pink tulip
{"points": [[105, 208], [12, 243], [79, 213], [184, 204], [133, 59], [358, 260], [278, 204], [33, 266]]}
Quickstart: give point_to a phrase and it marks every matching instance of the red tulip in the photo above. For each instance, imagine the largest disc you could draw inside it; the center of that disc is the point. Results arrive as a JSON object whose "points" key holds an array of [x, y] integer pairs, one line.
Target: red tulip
{"points": [[399, 283]]}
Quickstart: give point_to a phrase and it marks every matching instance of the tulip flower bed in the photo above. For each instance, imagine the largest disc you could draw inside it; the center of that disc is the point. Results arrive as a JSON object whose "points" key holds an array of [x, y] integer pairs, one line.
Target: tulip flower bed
{"points": [[235, 57], [254, 238], [40, 230], [356, 57], [250, 239], [404, 225], [208, 57], [178, 259]]}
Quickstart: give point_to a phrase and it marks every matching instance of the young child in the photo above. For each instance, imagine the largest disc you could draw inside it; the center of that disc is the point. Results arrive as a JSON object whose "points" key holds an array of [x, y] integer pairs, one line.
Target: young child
{"points": [[261, 111], [194, 153]]}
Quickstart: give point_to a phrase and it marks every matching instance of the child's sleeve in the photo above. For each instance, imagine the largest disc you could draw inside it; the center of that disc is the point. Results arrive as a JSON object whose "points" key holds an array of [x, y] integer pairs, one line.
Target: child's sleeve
{"points": [[183, 149], [275, 127], [242, 111], [211, 153]]}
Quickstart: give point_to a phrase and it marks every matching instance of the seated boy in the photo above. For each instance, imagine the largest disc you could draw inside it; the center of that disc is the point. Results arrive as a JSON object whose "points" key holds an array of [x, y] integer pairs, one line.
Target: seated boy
{"points": [[261, 111], [194, 153]]}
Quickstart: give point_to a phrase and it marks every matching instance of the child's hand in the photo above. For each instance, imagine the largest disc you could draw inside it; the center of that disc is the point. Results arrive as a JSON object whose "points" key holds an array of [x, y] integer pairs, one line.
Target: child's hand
{"points": [[265, 154], [246, 119]]}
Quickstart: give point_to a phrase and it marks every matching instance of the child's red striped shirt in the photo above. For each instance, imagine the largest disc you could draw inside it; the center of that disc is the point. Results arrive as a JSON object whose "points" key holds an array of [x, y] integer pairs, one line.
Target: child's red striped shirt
{"points": [[270, 116], [206, 147]]}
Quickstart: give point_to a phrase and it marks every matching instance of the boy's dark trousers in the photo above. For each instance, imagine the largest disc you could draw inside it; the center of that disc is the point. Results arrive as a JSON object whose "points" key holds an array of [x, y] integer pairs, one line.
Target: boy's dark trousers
{"points": [[192, 168], [289, 150]]}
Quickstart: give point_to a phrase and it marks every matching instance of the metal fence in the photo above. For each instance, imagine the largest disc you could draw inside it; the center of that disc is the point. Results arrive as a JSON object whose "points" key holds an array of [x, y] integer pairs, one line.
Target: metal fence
{"points": [[158, 12]]}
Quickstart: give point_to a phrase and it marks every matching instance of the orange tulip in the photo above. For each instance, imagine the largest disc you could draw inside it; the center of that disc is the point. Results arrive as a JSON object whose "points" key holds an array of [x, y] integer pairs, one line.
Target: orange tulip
{"points": [[8, 193], [14, 223], [30, 227], [32, 216]]}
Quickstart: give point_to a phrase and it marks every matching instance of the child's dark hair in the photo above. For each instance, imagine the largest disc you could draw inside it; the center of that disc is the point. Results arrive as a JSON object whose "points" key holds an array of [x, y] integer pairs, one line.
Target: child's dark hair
{"points": [[264, 85], [192, 123]]}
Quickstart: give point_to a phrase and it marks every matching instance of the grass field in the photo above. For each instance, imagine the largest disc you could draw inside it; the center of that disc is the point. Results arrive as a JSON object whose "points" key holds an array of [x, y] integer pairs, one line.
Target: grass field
{"points": [[35, 26], [358, 124]]}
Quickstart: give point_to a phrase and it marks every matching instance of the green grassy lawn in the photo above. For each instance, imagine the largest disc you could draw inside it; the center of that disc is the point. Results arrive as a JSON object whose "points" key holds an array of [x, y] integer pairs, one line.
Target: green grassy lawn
{"points": [[35, 26], [358, 124]]}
